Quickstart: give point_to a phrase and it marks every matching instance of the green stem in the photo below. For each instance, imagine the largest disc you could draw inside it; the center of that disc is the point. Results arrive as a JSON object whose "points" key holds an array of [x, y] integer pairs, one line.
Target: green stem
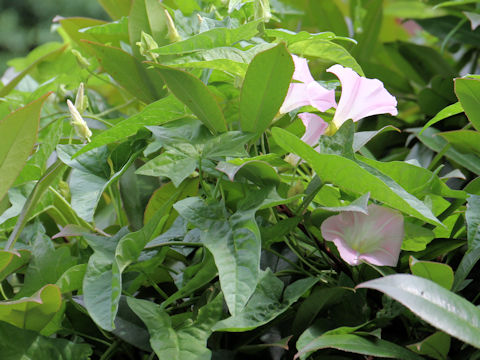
{"points": [[108, 354]]}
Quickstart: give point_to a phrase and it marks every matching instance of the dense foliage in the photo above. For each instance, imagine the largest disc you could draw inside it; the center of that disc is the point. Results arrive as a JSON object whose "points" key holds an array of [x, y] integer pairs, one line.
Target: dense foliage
{"points": [[182, 183]]}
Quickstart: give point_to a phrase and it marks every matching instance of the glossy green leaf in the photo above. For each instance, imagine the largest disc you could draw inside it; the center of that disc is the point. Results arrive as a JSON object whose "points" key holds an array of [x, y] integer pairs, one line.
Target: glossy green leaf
{"points": [[291, 37], [210, 39], [358, 345], [265, 86], [19, 132], [450, 110], [257, 171], [234, 242], [361, 138], [466, 265], [195, 94], [25, 344], [468, 93], [185, 343], [72, 278], [34, 312], [442, 274], [268, 301], [349, 175], [416, 237], [472, 216], [439, 307], [326, 51], [144, 84]]}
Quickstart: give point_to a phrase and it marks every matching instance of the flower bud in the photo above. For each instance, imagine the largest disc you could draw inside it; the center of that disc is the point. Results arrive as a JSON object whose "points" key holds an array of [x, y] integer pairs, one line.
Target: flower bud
{"points": [[82, 61], [81, 101], [80, 126], [262, 10], [172, 34], [146, 44]]}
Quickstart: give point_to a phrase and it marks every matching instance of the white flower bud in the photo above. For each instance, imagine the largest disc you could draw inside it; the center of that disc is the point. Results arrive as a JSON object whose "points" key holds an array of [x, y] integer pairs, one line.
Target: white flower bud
{"points": [[80, 126]]}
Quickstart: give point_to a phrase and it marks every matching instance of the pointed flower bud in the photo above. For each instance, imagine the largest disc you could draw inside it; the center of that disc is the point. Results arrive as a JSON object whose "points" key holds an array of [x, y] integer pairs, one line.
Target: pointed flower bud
{"points": [[81, 101], [375, 238], [80, 126], [172, 34], [262, 10], [146, 44], [82, 61]]}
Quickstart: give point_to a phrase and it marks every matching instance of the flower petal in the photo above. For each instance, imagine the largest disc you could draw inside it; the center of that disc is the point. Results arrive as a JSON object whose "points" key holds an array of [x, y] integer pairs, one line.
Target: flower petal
{"points": [[375, 238], [319, 97], [361, 97], [302, 72], [297, 96], [314, 127]]}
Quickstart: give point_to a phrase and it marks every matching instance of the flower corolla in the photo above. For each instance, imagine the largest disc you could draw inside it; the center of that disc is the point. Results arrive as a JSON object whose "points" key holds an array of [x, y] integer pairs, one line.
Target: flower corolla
{"points": [[375, 238]]}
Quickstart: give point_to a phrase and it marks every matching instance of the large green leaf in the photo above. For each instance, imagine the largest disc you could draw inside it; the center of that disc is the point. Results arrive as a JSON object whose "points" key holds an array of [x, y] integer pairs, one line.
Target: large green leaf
{"points": [[35, 312], [350, 176], [116, 8], [211, 39], [355, 344], [145, 84], [156, 113], [434, 304], [371, 24], [195, 94], [19, 133], [472, 216], [23, 344], [185, 343], [328, 52], [440, 273], [10, 261], [264, 88], [234, 242], [147, 16], [468, 92], [267, 302]]}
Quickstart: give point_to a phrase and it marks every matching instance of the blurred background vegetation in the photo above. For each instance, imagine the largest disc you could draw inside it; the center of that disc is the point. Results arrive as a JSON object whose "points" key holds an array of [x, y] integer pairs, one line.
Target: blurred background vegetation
{"points": [[25, 24]]}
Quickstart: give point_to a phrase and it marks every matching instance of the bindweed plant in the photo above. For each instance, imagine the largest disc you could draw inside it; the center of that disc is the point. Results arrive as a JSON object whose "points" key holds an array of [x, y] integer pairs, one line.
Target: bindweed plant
{"points": [[212, 179]]}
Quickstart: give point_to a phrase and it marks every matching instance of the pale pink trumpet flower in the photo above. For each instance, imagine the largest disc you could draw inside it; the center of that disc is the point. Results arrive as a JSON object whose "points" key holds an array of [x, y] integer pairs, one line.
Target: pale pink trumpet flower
{"points": [[375, 238]]}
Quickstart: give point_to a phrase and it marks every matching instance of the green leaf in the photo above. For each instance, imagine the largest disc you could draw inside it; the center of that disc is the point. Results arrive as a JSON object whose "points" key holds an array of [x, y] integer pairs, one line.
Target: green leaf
{"points": [[361, 138], [156, 113], [11, 261], [19, 133], [350, 176], [442, 274], [435, 346], [266, 303], [35, 312], [466, 265], [437, 144], [465, 141], [145, 84], [211, 39], [102, 284], [450, 110], [195, 94], [416, 237], [468, 93], [72, 279], [434, 304], [370, 25], [265, 86], [257, 171], [186, 343], [24, 344], [147, 16], [234, 242], [472, 216], [4, 91], [291, 37], [116, 8], [328, 52], [356, 344]]}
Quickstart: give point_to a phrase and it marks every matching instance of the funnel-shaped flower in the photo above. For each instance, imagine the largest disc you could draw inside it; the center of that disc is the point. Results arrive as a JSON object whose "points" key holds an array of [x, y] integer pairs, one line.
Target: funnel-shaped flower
{"points": [[314, 128], [375, 238], [361, 97], [307, 91]]}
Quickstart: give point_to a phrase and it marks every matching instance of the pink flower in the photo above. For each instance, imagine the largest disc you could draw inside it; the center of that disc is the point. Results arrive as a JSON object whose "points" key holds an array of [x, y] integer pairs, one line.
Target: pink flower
{"points": [[375, 238], [314, 128], [307, 91], [361, 97]]}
